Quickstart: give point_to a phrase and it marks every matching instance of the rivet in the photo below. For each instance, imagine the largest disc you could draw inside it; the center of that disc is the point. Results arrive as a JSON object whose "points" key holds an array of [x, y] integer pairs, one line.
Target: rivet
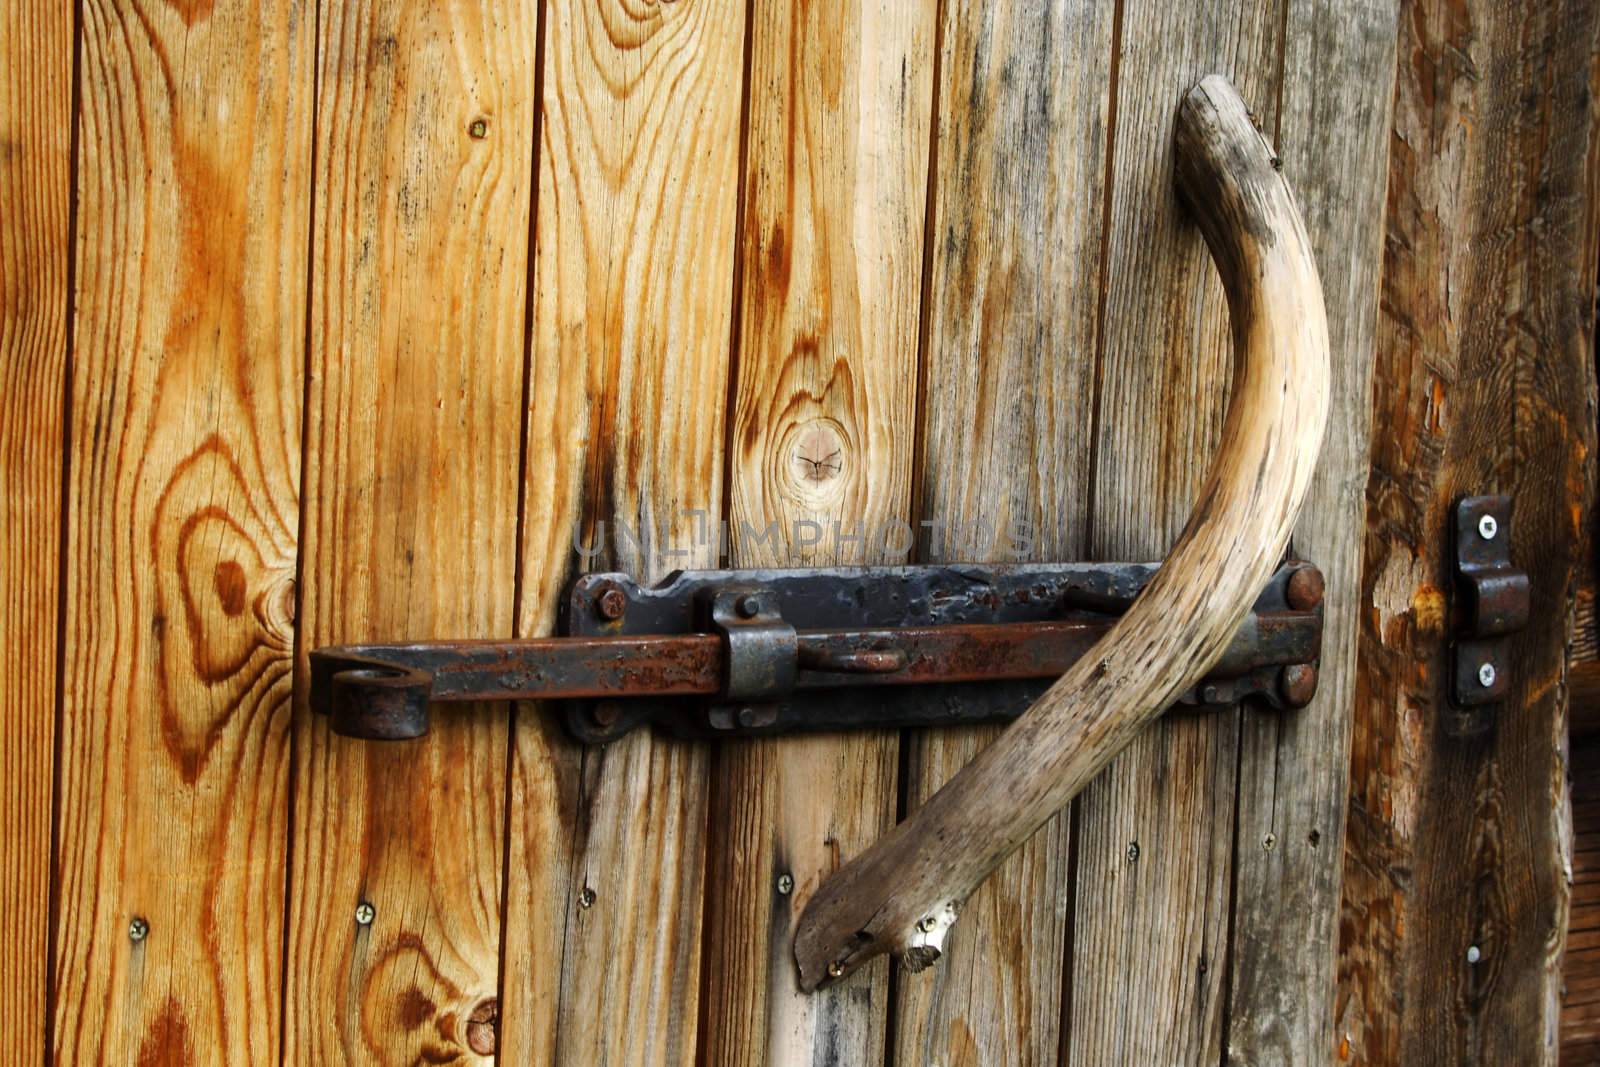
{"points": [[1305, 589], [749, 606], [926, 924], [365, 913], [1133, 852], [835, 969], [611, 602], [138, 928], [786, 884], [1487, 527], [1486, 675], [1473, 955], [479, 129], [586, 898]]}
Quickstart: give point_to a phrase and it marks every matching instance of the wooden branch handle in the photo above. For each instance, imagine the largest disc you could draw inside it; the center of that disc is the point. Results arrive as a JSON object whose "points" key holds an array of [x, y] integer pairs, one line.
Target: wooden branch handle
{"points": [[902, 894]]}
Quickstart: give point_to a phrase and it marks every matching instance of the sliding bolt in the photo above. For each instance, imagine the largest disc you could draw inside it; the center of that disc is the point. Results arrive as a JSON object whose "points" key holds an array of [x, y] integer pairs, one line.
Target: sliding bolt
{"points": [[138, 929], [365, 913], [1487, 527], [1486, 675]]}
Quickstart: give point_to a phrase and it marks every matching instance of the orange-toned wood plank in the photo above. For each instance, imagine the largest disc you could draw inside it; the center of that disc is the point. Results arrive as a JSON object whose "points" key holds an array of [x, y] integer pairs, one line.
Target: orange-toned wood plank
{"points": [[834, 212], [425, 122], [193, 194], [633, 289], [36, 43], [1007, 411]]}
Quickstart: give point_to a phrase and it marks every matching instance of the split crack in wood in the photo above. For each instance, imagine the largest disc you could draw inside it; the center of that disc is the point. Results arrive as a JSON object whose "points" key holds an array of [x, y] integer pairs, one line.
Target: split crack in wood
{"points": [[903, 894]]}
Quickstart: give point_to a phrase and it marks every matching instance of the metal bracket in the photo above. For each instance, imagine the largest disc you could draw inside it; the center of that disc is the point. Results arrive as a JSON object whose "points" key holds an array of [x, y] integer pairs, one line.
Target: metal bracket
{"points": [[722, 653], [1493, 603]]}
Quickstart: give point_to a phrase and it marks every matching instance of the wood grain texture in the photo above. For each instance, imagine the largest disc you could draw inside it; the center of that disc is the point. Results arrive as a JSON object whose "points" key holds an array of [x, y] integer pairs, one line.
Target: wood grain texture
{"points": [[1580, 972], [419, 268], [1155, 832], [36, 116], [1004, 475], [903, 894], [1484, 385], [193, 193], [821, 448], [632, 304], [1334, 142]]}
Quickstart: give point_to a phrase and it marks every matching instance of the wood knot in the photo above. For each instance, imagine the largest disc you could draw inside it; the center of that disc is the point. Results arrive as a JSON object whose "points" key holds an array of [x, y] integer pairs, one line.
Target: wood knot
{"points": [[483, 1027], [818, 452]]}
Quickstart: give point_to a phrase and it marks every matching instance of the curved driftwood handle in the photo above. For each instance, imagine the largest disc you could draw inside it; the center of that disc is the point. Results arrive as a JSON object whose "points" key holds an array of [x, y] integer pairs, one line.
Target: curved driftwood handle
{"points": [[902, 894]]}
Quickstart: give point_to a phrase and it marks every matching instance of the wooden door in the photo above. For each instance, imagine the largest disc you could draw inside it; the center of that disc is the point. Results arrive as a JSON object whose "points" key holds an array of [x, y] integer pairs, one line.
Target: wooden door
{"points": [[341, 321]]}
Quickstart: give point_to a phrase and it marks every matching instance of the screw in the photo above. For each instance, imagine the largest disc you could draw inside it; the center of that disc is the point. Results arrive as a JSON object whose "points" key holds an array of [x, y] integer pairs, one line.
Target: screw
{"points": [[138, 929], [1305, 588], [1486, 675], [611, 602], [835, 969], [927, 924], [1269, 842], [365, 913], [786, 884], [586, 898], [1487, 527], [479, 129], [1133, 852], [1473, 955], [749, 606]]}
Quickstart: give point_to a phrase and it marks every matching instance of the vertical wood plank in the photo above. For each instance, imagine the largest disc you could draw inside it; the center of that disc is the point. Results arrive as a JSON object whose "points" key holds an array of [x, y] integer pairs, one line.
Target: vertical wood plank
{"points": [[1156, 829], [1007, 414], [36, 116], [419, 273], [1484, 383], [633, 273], [183, 502], [836, 185], [1334, 141]]}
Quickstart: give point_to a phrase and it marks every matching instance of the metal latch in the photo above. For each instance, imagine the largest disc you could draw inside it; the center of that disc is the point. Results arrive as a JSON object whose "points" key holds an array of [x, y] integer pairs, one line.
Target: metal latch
{"points": [[1493, 602], [724, 653]]}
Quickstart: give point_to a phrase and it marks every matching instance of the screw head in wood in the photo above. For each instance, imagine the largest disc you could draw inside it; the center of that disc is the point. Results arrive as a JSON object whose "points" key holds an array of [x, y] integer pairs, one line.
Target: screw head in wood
{"points": [[586, 898], [1486, 674], [786, 884], [926, 924], [1473, 954], [1133, 852], [138, 928], [1488, 527], [835, 969], [365, 913], [478, 130]]}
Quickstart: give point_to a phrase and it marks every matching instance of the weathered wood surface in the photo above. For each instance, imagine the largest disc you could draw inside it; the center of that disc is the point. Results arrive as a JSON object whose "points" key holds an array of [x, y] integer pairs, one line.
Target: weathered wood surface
{"points": [[835, 188], [1147, 979], [1008, 395], [193, 190], [905, 892], [36, 117], [1580, 973], [1483, 384], [413, 431], [1338, 73], [632, 307]]}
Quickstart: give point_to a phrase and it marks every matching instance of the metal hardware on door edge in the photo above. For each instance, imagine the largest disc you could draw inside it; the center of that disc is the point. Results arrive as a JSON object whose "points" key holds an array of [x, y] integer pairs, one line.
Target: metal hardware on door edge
{"points": [[728, 653], [1494, 602]]}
